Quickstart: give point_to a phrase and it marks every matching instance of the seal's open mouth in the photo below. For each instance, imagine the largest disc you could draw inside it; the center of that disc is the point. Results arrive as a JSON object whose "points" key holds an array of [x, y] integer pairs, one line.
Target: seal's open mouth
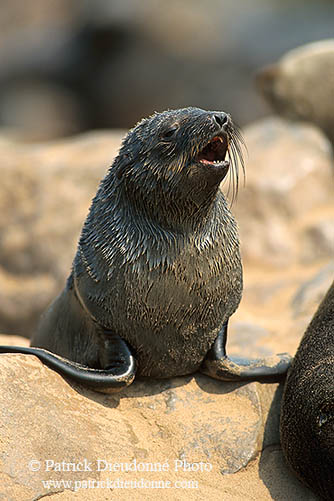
{"points": [[213, 154]]}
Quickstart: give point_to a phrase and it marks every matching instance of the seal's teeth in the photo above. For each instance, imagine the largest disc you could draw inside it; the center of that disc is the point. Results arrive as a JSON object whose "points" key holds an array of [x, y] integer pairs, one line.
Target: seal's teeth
{"points": [[214, 152]]}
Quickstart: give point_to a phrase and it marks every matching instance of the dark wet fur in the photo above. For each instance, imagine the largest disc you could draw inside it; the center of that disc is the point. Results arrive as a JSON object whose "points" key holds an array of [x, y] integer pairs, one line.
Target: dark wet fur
{"points": [[158, 259], [307, 417]]}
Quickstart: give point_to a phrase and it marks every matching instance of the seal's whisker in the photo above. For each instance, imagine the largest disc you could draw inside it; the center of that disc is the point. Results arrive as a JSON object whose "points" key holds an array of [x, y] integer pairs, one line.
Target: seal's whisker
{"points": [[235, 152], [239, 144], [237, 133], [233, 172]]}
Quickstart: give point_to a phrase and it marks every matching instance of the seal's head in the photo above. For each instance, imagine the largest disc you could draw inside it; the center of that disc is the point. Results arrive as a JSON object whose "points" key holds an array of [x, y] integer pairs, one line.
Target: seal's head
{"points": [[183, 153]]}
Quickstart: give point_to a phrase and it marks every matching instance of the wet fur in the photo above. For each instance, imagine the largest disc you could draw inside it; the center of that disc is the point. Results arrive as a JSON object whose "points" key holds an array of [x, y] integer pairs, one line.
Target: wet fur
{"points": [[307, 417], [158, 259]]}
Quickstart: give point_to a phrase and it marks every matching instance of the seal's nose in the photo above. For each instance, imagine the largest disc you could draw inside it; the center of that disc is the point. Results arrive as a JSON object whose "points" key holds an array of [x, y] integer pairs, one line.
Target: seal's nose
{"points": [[221, 119]]}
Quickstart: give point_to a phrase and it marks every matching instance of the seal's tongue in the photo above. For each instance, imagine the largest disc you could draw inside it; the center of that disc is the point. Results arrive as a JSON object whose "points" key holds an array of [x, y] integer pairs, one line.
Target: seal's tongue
{"points": [[215, 151]]}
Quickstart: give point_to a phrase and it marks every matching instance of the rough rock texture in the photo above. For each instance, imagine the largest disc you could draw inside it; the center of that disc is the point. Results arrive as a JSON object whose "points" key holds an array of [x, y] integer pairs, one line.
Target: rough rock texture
{"points": [[182, 421]]}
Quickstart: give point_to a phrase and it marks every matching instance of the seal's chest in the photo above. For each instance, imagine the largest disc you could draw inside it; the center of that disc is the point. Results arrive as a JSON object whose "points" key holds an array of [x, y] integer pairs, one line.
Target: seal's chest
{"points": [[195, 291]]}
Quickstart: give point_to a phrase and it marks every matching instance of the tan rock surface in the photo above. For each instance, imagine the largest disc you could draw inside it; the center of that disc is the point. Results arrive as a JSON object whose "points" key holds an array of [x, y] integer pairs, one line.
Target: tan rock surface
{"points": [[215, 427]]}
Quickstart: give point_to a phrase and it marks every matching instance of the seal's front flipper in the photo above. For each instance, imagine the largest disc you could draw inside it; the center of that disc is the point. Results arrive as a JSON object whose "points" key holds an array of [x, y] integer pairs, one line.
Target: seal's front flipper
{"points": [[219, 366], [119, 365], [117, 360]]}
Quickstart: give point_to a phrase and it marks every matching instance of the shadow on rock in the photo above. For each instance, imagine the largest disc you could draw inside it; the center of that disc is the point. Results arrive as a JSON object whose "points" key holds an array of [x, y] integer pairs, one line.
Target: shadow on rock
{"points": [[147, 387]]}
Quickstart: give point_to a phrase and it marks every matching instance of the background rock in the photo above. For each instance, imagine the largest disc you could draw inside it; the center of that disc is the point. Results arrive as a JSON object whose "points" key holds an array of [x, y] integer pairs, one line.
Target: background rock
{"points": [[44, 198], [292, 88], [289, 188], [68, 66], [310, 293]]}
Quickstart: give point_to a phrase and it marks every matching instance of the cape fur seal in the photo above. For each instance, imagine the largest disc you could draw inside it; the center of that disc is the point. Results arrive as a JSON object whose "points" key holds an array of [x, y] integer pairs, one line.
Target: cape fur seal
{"points": [[157, 273], [307, 416]]}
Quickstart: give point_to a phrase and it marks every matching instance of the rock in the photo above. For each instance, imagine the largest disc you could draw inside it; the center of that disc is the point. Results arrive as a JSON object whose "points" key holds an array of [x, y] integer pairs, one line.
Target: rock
{"points": [[289, 183], [292, 85], [45, 194], [285, 214], [310, 293], [318, 240], [208, 433], [247, 337]]}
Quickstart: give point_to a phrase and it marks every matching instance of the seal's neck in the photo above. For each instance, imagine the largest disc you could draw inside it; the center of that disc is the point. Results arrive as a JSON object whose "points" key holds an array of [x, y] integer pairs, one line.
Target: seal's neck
{"points": [[179, 209], [147, 232]]}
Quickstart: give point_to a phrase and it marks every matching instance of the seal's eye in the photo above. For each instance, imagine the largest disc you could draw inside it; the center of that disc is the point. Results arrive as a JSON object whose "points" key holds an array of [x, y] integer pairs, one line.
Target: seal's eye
{"points": [[169, 133]]}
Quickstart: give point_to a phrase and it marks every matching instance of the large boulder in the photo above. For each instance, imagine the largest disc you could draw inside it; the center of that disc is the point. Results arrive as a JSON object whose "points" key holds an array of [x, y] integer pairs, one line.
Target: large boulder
{"points": [[196, 436]]}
